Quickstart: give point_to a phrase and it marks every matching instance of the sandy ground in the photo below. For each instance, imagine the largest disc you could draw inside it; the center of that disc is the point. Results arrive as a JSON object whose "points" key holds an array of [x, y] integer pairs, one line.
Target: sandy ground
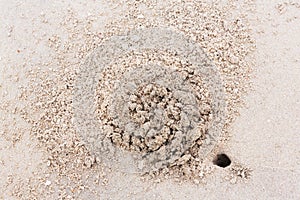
{"points": [[264, 138]]}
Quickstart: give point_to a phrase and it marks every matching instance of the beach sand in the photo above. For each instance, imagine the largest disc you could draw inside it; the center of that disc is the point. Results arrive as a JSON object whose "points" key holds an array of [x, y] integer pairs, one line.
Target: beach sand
{"points": [[43, 45]]}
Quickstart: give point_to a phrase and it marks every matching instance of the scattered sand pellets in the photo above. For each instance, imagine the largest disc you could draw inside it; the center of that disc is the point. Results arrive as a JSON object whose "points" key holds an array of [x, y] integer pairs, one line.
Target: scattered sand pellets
{"points": [[118, 126], [224, 39]]}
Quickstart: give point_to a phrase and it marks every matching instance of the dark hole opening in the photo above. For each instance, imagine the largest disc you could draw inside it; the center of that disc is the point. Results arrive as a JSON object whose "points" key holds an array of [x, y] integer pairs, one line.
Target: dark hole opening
{"points": [[222, 160]]}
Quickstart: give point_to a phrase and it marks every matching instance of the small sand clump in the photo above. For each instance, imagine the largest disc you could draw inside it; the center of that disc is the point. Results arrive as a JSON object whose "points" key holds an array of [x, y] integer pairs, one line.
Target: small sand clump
{"points": [[141, 107]]}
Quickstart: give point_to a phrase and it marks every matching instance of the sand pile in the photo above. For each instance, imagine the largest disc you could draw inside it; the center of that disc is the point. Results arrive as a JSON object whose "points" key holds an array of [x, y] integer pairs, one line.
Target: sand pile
{"points": [[159, 104], [163, 81]]}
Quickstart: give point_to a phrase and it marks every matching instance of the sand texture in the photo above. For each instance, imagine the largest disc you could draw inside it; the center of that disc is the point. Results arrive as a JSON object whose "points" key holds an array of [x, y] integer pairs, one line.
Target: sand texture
{"points": [[146, 99]]}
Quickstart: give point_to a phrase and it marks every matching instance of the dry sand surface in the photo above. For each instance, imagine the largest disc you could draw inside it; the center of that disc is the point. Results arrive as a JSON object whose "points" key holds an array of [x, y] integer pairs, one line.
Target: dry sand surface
{"points": [[216, 77]]}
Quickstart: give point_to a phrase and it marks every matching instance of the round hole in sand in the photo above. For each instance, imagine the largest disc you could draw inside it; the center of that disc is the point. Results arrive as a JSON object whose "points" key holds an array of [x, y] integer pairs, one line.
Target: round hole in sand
{"points": [[222, 160]]}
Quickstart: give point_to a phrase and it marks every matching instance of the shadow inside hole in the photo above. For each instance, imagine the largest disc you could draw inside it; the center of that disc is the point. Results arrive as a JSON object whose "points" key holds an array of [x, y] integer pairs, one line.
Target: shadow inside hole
{"points": [[222, 160]]}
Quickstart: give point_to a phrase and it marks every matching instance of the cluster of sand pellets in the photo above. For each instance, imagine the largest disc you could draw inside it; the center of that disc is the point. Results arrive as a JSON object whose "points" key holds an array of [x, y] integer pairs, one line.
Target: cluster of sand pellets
{"points": [[160, 84]]}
